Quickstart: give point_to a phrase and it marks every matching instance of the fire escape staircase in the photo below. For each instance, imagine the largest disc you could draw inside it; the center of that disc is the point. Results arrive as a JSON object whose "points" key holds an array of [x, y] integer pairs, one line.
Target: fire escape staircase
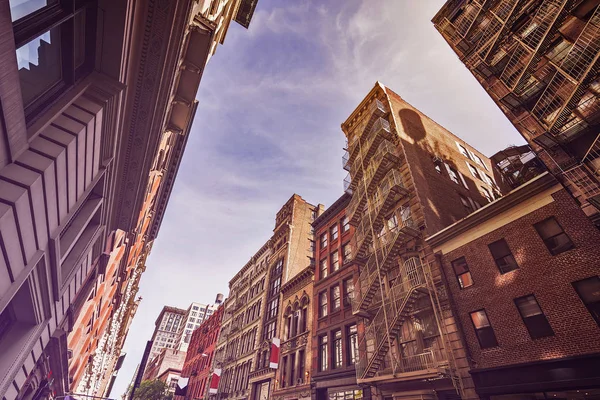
{"points": [[380, 261], [532, 42], [554, 109], [376, 110], [402, 297]]}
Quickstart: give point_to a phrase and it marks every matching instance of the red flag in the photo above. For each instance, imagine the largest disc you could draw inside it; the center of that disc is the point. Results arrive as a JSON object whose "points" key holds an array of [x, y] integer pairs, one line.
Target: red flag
{"points": [[274, 360], [214, 382]]}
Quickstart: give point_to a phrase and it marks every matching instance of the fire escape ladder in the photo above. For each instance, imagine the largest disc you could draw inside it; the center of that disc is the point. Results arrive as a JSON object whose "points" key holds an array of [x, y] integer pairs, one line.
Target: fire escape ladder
{"points": [[533, 39], [502, 17], [376, 110]]}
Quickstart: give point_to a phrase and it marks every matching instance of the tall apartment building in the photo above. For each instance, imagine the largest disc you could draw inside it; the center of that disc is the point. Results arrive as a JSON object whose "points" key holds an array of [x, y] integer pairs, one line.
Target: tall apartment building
{"points": [[252, 320], [195, 315], [169, 45], [524, 278], [334, 327], [539, 62], [410, 178], [167, 326], [198, 366]]}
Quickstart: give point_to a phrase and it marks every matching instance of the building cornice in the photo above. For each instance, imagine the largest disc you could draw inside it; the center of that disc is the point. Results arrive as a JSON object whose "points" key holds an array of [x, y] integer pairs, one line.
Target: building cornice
{"points": [[296, 282], [340, 204], [535, 186], [362, 106]]}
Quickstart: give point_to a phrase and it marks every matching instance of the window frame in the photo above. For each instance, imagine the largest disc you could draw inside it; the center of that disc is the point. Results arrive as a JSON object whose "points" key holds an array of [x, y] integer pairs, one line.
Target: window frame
{"points": [[554, 252], [337, 349], [335, 260], [352, 359], [345, 222], [502, 257], [323, 305], [334, 232], [529, 320], [477, 330], [458, 276], [323, 343], [334, 307], [323, 240], [348, 296], [323, 268], [594, 313]]}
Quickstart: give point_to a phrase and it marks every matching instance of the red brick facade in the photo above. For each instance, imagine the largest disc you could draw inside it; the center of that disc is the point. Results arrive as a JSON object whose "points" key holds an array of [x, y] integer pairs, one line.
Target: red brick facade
{"points": [[548, 277], [200, 354]]}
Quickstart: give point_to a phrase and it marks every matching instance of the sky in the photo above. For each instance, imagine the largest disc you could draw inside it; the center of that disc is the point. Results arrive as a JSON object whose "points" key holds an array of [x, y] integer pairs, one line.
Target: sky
{"points": [[271, 103]]}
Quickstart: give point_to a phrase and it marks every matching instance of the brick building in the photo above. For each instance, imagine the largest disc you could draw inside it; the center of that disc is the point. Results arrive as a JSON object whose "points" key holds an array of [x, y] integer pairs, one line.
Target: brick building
{"points": [[539, 61], [198, 366], [293, 375], [524, 278], [165, 366], [410, 178], [334, 326]]}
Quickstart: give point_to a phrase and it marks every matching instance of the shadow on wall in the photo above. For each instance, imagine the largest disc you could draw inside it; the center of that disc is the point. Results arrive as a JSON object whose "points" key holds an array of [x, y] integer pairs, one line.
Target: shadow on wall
{"points": [[412, 124]]}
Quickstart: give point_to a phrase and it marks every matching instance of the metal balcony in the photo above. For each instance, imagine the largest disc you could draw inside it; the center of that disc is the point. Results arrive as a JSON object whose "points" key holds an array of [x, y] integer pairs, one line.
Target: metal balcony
{"points": [[385, 327], [347, 184], [381, 131], [376, 110], [387, 155], [345, 161], [390, 190], [554, 109], [532, 40]]}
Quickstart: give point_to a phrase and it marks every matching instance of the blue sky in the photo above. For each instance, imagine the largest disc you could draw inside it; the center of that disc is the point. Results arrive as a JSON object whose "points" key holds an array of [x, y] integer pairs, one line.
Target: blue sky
{"points": [[272, 100]]}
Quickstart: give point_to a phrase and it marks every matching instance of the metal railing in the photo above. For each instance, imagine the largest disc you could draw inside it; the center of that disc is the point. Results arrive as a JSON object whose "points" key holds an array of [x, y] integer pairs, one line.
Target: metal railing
{"points": [[345, 161], [376, 110]]}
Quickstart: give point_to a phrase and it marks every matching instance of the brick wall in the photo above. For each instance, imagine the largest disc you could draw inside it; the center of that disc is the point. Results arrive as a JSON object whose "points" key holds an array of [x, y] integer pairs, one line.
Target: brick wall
{"points": [[546, 276]]}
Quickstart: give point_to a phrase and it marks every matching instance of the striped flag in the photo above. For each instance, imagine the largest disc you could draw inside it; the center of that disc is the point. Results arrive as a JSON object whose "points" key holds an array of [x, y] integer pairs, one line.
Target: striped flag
{"points": [[214, 381], [274, 360]]}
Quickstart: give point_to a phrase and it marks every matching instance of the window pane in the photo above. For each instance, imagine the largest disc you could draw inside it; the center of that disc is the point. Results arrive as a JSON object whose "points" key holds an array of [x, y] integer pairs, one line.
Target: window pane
{"points": [[21, 8], [480, 319], [553, 235], [39, 64], [589, 291], [465, 280], [460, 265], [528, 306]]}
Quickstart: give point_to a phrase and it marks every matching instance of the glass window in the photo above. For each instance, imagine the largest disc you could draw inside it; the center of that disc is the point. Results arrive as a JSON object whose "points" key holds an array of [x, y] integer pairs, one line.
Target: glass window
{"points": [[337, 349], [335, 261], [323, 241], [311, 245], [465, 203], [323, 304], [461, 269], [352, 337], [273, 308], [348, 291], [323, 268], [22, 8], [345, 224], [589, 292], [536, 322], [474, 171], [323, 353], [40, 65], [554, 237], [452, 174], [483, 329], [275, 286], [335, 298], [503, 256], [463, 150], [487, 194], [346, 253], [334, 232]]}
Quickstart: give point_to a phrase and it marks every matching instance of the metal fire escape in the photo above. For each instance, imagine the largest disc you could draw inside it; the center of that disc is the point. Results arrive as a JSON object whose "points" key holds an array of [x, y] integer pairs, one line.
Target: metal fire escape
{"points": [[385, 224], [550, 92]]}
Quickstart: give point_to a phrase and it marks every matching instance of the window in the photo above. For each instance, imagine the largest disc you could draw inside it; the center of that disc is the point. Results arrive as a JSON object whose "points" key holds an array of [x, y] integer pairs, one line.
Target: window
{"points": [[503, 256], [323, 304], [348, 291], [487, 194], [452, 174], [334, 232], [589, 292], [474, 171], [483, 329], [438, 168], [275, 286], [301, 366], [303, 320], [284, 365], [463, 150], [335, 261], [488, 179], [313, 214], [345, 224], [270, 331], [465, 203], [554, 237], [335, 298], [58, 55], [461, 269], [273, 308], [536, 322], [323, 268], [312, 245], [323, 241], [337, 349], [352, 338], [323, 353], [346, 253]]}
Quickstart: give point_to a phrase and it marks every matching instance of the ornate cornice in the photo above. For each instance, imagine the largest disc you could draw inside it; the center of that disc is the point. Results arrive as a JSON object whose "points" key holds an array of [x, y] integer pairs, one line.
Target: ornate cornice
{"points": [[299, 280]]}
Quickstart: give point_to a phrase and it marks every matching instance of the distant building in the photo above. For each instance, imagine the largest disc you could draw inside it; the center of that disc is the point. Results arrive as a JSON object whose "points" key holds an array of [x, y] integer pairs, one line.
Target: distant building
{"points": [[166, 366], [194, 316], [524, 278], [539, 61], [517, 165], [167, 327], [334, 327], [198, 366]]}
